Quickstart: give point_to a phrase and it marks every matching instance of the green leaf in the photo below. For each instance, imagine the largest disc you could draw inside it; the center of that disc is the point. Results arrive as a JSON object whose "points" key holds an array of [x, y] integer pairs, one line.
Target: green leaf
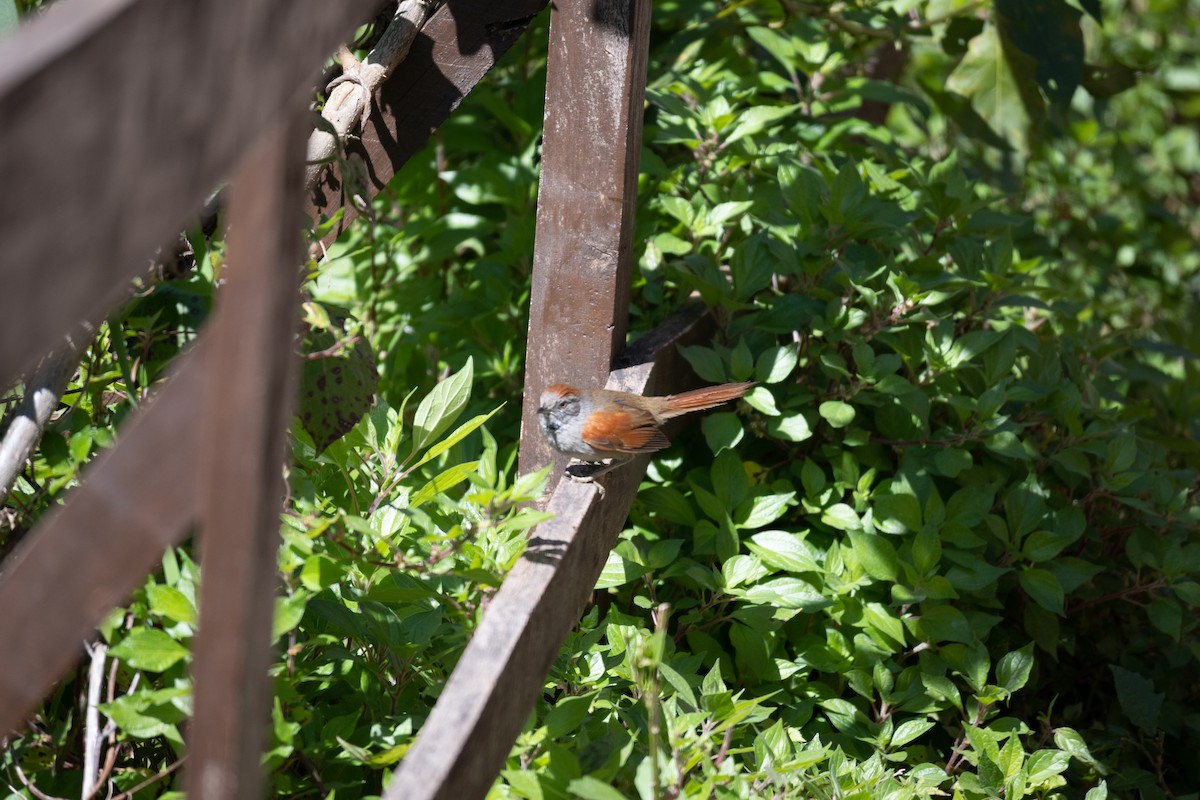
{"points": [[705, 363], [337, 387], [678, 208], [969, 347], [320, 572], [459, 434], [671, 244], [1138, 699], [752, 653], [682, 688], [149, 649], [792, 427], [787, 593], [756, 119], [1050, 34], [910, 729], [804, 190], [729, 479], [775, 364], [1043, 765], [722, 213], [1008, 444], [1000, 83], [1010, 760], [896, 513], [722, 430], [1012, 670], [149, 713], [442, 406], [169, 602], [952, 461], [783, 550], [668, 503], [763, 510], [288, 613], [762, 399], [589, 788], [741, 569], [876, 554], [969, 505], [926, 550], [842, 517], [1167, 615], [741, 361], [1069, 741], [1121, 453], [567, 714], [885, 622], [943, 623], [836, 413], [619, 571], [443, 482], [1045, 545], [1043, 587]]}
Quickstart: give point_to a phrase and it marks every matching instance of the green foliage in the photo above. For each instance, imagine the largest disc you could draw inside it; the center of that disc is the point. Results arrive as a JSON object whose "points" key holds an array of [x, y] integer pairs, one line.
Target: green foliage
{"points": [[946, 547]]}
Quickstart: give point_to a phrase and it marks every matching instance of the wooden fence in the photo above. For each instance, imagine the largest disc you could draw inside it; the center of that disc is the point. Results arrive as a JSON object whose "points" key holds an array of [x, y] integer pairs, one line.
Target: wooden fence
{"points": [[116, 119]]}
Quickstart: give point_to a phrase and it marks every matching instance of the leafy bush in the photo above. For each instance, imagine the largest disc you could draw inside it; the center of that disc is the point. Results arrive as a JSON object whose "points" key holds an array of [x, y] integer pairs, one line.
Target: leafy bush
{"points": [[948, 545]]}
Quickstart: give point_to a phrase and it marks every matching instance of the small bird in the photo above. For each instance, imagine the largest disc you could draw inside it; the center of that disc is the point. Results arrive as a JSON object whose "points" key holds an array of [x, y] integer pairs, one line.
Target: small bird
{"points": [[593, 425]]}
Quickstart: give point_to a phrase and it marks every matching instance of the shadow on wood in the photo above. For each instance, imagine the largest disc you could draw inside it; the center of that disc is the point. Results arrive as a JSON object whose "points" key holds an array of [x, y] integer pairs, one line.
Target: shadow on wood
{"points": [[463, 744]]}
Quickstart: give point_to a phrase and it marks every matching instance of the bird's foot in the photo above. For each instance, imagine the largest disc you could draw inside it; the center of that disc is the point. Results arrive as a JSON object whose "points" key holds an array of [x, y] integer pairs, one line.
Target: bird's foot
{"points": [[588, 471]]}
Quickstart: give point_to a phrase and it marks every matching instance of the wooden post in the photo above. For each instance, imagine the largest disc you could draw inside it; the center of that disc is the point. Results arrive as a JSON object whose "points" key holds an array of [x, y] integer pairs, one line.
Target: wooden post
{"points": [[140, 498], [247, 404], [496, 683], [578, 306]]}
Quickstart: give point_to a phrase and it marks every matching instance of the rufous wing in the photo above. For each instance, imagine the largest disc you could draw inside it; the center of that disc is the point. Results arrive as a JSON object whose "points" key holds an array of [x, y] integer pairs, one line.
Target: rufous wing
{"points": [[624, 430]]}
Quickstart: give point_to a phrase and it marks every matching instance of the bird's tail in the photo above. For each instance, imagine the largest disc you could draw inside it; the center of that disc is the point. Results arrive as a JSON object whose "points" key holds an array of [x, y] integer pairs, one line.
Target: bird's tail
{"points": [[708, 397]]}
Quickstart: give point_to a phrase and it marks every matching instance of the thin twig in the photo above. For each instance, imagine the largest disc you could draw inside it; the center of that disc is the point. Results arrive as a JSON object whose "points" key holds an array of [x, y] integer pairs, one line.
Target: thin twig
{"points": [[41, 398], [92, 734]]}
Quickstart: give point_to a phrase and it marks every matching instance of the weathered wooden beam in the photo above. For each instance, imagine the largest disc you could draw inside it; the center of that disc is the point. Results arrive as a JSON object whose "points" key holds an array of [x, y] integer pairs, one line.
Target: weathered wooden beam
{"points": [[578, 306], [458, 44], [248, 399], [119, 117], [140, 498], [496, 683], [86, 557]]}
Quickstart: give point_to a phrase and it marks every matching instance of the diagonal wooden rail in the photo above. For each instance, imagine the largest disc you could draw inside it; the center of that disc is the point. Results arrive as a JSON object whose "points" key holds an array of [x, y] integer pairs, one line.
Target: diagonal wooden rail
{"points": [[140, 498], [95, 97], [578, 318], [463, 744]]}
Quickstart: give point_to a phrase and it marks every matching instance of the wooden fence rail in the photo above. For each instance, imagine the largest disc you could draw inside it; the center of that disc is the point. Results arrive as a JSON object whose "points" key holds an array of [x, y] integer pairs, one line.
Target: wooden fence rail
{"points": [[226, 72]]}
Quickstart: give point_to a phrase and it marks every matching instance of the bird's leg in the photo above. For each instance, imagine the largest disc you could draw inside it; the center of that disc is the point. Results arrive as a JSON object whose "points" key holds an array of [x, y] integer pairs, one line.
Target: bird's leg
{"points": [[588, 471]]}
